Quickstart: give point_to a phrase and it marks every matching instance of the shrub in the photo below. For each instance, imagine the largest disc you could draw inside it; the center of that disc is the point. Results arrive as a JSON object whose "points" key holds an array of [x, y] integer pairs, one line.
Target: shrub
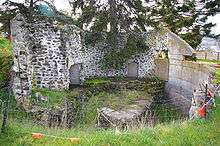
{"points": [[5, 58]]}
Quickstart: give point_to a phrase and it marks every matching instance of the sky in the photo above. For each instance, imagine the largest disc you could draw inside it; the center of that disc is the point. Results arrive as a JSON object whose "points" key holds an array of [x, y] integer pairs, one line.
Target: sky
{"points": [[64, 5]]}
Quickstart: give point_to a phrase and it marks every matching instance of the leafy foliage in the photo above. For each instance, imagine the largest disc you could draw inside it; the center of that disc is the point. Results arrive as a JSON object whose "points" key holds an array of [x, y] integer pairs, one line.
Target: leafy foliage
{"points": [[115, 13], [116, 58], [5, 58], [105, 21], [187, 18], [217, 76], [29, 9], [212, 6]]}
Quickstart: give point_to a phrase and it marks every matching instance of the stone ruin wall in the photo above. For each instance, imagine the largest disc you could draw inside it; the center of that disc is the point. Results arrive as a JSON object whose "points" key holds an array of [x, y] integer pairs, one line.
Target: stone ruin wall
{"points": [[89, 59], [41, 55], [22, 67], [44, 53]]}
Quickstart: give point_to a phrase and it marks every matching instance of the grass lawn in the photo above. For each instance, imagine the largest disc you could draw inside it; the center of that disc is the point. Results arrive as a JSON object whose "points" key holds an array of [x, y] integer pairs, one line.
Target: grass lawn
{"points": [[174, 133], [187, 133], [208, 61], [217, 76]]}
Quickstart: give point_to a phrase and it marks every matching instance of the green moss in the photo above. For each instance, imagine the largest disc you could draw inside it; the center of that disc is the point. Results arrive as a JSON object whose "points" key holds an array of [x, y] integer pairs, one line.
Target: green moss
{"points": [[97, 81]]}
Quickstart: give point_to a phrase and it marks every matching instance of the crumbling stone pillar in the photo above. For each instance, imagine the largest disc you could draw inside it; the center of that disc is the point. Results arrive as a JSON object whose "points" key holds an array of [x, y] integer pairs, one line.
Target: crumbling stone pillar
{"points": [[22, 61]]}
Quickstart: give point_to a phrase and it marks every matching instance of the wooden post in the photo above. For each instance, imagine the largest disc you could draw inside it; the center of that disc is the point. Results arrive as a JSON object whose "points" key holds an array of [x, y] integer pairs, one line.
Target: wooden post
{"points": [[218, 56], [206, 90], [5, 113]]}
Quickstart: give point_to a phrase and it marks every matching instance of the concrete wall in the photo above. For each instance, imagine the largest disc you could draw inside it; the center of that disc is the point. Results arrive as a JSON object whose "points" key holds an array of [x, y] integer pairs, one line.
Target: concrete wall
{"points": [[183, 79], [162, 68], [184, 76]]}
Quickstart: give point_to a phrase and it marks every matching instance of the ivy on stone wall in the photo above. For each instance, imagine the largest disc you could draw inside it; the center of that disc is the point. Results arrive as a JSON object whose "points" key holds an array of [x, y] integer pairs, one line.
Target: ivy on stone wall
{"points": [[91, 38], [122, 47], [118, 57]]}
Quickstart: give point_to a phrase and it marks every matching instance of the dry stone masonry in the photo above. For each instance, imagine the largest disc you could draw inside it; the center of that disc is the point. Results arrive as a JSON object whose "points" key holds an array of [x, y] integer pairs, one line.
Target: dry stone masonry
{"points": [[51, 55]]}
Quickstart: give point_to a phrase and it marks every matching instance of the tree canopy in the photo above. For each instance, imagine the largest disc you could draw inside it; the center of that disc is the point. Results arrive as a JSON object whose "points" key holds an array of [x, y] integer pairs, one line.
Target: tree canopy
{"points": [[186, 18], [30, 8], [106, 20]]}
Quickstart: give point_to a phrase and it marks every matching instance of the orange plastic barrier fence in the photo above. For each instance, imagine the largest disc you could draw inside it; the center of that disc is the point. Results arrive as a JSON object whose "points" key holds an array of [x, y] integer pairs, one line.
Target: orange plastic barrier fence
{"points": [[37, 135], [40, 135]]}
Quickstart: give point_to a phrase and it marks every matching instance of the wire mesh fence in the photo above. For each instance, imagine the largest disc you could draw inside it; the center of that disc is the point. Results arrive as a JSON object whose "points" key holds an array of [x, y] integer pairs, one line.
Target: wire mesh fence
{"points": [[160, 111], [83, 114]]}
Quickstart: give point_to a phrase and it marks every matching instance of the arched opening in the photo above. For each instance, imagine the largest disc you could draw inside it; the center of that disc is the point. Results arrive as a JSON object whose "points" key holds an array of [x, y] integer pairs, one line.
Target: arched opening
{"points": [[132, 70], [74, 74]]}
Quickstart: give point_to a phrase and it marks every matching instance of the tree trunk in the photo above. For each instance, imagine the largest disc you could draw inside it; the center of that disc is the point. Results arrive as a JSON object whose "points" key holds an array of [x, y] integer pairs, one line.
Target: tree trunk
{"points": [[31, 9], [113, 16]]}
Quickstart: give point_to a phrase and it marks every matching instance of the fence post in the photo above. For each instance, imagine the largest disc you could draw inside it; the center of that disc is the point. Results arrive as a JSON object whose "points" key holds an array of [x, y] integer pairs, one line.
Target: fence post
{"points": [[218, 56], [5, 112]]}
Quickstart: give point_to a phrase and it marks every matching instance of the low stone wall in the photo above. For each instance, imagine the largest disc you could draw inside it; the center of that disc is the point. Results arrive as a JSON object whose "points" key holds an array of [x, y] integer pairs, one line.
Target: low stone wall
{"points": [[63, 116]]}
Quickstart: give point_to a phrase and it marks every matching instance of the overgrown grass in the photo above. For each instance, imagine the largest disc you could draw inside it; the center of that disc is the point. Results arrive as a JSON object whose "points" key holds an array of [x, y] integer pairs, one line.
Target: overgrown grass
{"points": [[6, 58], [166, 113], [117, 100], [217, 76], [174, 133], [209, 61], [97, 95], [55, 97], [96, 81], [194, 133]]}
